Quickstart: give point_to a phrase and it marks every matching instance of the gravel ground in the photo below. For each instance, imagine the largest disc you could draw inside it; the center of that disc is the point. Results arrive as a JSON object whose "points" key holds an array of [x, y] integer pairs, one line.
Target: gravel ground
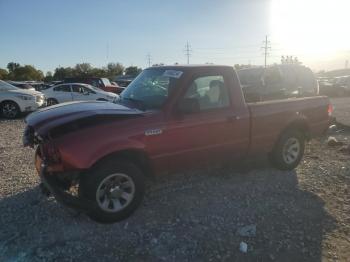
{"points": [[302, 215]]}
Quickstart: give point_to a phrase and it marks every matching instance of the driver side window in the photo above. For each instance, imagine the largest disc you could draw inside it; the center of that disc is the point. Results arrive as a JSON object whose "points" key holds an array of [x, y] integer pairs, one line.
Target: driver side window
{"points": [[77, 89], [62, 88], [210, 92]]}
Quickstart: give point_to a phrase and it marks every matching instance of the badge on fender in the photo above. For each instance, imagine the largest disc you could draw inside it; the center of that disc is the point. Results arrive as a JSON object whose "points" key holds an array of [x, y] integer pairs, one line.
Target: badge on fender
{"points": [[153, 132]]}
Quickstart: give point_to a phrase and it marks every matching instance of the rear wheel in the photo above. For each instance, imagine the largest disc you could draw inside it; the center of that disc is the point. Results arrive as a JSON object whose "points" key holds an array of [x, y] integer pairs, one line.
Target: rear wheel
{"points": [[289, 150], [51, 102], [10, 110], [115, 187]]}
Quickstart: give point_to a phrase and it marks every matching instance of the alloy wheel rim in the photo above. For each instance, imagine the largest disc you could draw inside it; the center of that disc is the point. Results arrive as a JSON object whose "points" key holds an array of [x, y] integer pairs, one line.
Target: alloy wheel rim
{"points": [[291, 150], [115, 192], [9, 110]]}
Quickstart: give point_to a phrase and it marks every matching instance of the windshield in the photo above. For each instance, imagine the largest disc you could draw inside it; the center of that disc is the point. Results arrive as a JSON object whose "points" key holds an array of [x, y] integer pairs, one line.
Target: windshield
{"points": [[93, 87], [106, 81], [6, 86], [152, 87]]}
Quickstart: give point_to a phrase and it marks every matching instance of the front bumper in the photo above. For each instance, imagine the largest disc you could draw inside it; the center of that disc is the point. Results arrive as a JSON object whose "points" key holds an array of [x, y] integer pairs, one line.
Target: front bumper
{"points": [[30, 106], [51, 184]]}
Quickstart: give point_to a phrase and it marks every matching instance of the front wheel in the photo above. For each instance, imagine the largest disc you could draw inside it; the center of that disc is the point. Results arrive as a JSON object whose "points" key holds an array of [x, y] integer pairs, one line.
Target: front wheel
{"points": [[115, 187], [288, 151], [51, 102], [10, 110]]}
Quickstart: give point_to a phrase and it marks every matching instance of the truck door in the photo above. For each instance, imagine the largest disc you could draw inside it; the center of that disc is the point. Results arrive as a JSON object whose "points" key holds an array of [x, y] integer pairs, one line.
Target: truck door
{"points": [[212, 132]]}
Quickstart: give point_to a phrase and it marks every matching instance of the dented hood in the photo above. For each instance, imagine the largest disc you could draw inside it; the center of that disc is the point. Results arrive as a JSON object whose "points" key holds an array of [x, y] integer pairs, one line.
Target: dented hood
{"points": [[65, 113]]}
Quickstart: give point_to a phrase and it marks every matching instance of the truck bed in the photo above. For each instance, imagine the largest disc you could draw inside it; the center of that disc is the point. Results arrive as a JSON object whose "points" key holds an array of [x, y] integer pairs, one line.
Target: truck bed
{"points": [[268, 118]]}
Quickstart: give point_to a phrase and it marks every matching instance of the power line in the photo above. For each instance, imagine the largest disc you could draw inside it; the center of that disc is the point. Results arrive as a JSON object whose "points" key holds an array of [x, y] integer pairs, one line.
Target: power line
{"points": [[228, 48], [149, 59], [188, 51], [266, 48]]}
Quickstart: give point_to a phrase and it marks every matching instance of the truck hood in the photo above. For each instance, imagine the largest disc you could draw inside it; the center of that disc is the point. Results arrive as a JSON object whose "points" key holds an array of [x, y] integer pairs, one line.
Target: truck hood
{"points": [[84, 113]]}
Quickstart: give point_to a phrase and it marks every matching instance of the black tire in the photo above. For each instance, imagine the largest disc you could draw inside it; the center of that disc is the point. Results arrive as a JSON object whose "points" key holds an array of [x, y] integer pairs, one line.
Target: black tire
{"points": [[10, 110], [51, 102], [91, 181], [279, 156]]}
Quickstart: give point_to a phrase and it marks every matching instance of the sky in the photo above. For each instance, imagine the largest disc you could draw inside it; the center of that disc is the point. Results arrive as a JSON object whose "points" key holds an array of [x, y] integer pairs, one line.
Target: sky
{"points": [[52, 33]]}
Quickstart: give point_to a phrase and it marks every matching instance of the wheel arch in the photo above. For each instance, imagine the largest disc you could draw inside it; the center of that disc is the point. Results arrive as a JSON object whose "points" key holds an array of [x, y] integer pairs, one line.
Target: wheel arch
{"points": [[137, 156], [52, 98], [299, 124], [11, 101]]}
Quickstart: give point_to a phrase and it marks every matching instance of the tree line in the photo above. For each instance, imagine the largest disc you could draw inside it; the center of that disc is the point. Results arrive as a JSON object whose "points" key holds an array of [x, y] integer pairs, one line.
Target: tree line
{"points": [[16, 72]]}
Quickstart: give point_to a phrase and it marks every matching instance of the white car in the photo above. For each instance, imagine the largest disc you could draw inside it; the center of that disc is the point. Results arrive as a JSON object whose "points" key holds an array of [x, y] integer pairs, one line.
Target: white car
{"points": [[14, 100], [76, 92]]}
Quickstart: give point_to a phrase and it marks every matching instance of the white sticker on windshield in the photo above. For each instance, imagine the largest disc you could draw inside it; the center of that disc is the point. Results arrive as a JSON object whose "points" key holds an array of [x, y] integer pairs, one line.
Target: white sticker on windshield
{"points": [[173, 73]]}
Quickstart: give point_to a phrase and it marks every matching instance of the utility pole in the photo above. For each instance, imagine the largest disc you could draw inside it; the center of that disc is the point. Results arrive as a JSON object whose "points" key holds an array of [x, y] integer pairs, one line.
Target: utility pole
{"points": [[149, 59], [188, 52], [266, 49]]}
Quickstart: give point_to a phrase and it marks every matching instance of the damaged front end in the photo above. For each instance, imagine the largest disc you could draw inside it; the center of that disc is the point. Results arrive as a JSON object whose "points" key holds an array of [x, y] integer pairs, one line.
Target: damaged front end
{"points": [[50, 184], [55, 180], [44, 126]]}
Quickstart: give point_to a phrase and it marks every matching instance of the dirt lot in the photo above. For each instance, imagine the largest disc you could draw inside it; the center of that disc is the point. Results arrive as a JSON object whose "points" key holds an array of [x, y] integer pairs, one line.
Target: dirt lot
{"points": [[303, 215]]}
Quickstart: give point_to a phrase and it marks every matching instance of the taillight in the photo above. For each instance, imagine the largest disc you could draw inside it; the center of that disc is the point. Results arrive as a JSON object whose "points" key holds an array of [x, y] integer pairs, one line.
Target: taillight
{"points": [[330, 109]]}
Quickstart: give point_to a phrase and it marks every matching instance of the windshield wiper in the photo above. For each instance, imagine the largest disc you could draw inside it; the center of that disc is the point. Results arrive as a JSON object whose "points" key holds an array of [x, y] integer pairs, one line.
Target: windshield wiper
{"points": [[140, 104]]}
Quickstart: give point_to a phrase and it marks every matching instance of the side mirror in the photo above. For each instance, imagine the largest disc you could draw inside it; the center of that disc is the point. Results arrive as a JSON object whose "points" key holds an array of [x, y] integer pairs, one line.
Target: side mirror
{"points": [[86, 93], [188, 106]]}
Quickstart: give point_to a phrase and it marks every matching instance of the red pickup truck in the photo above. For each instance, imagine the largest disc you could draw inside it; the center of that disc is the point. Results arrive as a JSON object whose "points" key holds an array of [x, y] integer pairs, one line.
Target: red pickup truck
{"points": [[169, 118]]}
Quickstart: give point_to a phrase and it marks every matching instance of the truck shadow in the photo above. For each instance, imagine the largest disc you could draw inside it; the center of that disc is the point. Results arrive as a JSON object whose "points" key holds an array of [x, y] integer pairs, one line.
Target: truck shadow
{"points": [[192, 216]]}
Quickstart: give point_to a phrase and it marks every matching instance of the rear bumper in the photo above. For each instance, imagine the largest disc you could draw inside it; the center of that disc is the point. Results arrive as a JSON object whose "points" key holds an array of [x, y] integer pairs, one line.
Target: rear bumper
{"points": [[50, 183]]}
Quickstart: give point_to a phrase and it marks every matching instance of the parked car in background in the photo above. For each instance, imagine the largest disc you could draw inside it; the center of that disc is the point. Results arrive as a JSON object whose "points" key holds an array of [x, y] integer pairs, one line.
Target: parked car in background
{"points": [[57, 82], [21, 85], [342, 84], [124, 80], [334, 86], [14, 100], [102, 83], [278, 82], [48, 85], [76, 92], [38, 85], [169, 118]]}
